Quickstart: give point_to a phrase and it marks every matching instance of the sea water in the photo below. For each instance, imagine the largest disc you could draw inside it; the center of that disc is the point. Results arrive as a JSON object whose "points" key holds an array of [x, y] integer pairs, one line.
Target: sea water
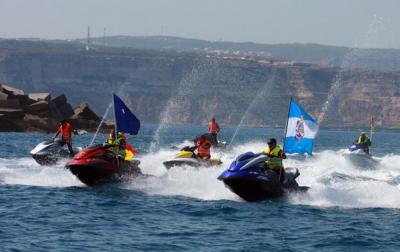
{"points": [[45, 208]]}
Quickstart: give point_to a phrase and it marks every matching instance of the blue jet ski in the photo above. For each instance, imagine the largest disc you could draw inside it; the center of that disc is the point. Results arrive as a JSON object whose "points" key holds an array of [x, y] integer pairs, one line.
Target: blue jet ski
{"points": [[248, 178], [356, 148], [359, 157]]}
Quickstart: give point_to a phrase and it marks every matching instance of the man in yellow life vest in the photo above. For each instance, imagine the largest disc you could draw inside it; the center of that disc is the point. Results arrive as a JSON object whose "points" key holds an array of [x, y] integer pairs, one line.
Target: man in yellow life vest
{"points": [[364, 142], [275, 155], [111, 137], [120, 143]]}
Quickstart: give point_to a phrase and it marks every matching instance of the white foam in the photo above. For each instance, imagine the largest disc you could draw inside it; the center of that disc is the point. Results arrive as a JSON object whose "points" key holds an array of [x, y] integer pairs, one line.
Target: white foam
{"points": [[25, 171], [335, 181]]}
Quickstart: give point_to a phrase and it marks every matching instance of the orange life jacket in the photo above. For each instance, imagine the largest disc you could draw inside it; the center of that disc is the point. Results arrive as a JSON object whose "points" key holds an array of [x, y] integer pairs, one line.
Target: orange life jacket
{"points": [[204, 148], [213, 127], [66, 132]]}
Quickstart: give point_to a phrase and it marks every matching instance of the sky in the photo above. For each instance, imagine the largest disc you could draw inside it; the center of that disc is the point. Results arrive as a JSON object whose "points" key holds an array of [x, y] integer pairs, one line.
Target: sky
{"points": [[353, 23]]}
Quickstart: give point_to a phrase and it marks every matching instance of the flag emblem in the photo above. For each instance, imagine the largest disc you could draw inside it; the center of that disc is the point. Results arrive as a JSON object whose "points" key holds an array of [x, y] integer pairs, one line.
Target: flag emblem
{"points": [[299, 129]]}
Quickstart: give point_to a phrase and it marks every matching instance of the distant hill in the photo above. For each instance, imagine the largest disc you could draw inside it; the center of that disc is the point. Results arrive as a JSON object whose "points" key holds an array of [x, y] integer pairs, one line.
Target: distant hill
{"points": [[188, 87], [379, 59]]}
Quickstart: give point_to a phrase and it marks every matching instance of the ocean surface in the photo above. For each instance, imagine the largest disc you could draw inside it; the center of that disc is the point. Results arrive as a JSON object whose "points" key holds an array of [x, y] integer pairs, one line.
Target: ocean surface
{"points": [[351, 206]]}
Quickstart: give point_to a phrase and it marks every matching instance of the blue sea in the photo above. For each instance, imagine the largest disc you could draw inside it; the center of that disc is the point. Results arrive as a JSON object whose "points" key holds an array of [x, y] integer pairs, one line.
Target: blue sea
{"points": [[351, 206]]}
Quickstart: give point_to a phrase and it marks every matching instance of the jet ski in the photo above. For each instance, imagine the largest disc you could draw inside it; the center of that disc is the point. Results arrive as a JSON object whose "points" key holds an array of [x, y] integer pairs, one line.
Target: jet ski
{"points": [[187, 157], [214, 142], [248, 178], [49, 152], [358, 157], [98, 165]]}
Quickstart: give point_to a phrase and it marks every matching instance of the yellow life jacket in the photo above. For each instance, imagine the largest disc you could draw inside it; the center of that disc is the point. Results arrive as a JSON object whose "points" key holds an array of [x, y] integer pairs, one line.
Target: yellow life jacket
{"points": [[274, 162], [360, 141], [110, 139], [122, 146]]}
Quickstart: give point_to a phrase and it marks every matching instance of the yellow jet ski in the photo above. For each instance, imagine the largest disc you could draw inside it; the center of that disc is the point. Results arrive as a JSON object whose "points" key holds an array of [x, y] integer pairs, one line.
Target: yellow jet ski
{"points": [[187, 157]]}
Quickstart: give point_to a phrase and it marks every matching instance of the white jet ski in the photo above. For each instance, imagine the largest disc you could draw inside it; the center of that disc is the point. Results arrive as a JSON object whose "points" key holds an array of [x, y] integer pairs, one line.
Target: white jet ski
{"points": [[49, 152]]}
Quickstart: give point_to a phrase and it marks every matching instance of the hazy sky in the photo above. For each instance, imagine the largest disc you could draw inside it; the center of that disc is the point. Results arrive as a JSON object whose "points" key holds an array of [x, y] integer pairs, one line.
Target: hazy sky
{"points": [[362, 23]]}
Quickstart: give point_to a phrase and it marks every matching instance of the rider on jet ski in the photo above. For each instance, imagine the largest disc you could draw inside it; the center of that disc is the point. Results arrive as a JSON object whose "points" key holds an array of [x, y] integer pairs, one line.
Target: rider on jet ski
{"points": [[275, 155], [120, 143], [213, 129], [364, 142], [203, 148], [65, 130]]}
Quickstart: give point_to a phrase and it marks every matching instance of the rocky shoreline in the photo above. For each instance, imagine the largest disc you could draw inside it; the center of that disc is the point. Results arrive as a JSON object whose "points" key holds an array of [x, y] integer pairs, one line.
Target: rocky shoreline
{"points": [[39, 112]]}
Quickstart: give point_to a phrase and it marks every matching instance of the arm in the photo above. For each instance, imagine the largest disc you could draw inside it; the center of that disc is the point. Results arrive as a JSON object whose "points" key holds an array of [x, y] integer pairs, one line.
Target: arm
{"points": [[57, 133]]}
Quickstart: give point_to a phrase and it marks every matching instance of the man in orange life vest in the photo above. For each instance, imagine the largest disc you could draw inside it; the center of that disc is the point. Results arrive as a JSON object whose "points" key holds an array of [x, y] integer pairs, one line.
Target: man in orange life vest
{"points": [[65, 130], [203, 148], [213, 129]]}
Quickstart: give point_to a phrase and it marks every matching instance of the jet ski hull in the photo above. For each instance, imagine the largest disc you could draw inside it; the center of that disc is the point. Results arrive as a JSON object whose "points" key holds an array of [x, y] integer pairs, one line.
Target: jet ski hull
{"points": [[247, 178], [45, 159], [50, 152], [98, 172], [259, 187], [98, 165], [181, 162], [192, 162], [252, 190]]}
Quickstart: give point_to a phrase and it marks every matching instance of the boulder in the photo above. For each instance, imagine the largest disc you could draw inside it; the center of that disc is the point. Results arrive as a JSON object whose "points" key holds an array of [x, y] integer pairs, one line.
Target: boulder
{"points": [[66, 110], [9, 125], [83, 111], [39, 106], [40, 96], [11, 90], [3, 96], [24, 100], [11, 103], [59, 109], [39, 123], [59, 100], [10, 113]]}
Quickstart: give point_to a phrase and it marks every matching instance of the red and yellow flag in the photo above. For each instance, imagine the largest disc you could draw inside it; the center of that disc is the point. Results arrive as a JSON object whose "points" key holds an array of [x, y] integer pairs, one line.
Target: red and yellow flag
{"points": [[130, 152]]}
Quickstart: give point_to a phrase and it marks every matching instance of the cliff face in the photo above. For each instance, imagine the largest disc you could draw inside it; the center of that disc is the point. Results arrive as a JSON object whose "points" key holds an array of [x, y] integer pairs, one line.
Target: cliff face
{"points": [[184, 88]]}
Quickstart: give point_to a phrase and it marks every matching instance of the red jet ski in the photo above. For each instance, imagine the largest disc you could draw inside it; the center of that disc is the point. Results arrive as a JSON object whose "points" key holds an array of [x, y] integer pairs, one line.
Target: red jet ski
{"points": [[98, 165]]}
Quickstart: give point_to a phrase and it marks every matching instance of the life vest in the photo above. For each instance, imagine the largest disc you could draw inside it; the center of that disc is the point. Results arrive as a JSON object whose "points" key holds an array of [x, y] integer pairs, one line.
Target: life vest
{"points": [[274, 162], [204, 148], [360, 140], [121, 142], [213, 127], [111, 139], [66, 132]]}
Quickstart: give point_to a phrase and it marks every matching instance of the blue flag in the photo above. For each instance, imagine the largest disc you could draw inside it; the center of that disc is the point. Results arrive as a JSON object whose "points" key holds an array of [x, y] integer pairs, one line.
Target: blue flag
{"points": [[301, 130], [125, 120]]}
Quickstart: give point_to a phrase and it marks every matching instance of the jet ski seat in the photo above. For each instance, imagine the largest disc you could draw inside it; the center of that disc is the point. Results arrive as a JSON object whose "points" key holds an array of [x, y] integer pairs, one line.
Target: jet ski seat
{"points": [[290, 174]]}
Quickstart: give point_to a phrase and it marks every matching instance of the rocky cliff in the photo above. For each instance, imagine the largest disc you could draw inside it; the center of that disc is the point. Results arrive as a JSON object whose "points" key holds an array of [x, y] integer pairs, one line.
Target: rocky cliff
{"points": [[38, 112], [190, 88]]}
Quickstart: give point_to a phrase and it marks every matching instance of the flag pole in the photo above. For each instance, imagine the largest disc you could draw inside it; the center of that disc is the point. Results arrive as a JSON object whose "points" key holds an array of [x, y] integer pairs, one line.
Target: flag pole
{"points": [[287, 123], [115, 133], [372, 129]]}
